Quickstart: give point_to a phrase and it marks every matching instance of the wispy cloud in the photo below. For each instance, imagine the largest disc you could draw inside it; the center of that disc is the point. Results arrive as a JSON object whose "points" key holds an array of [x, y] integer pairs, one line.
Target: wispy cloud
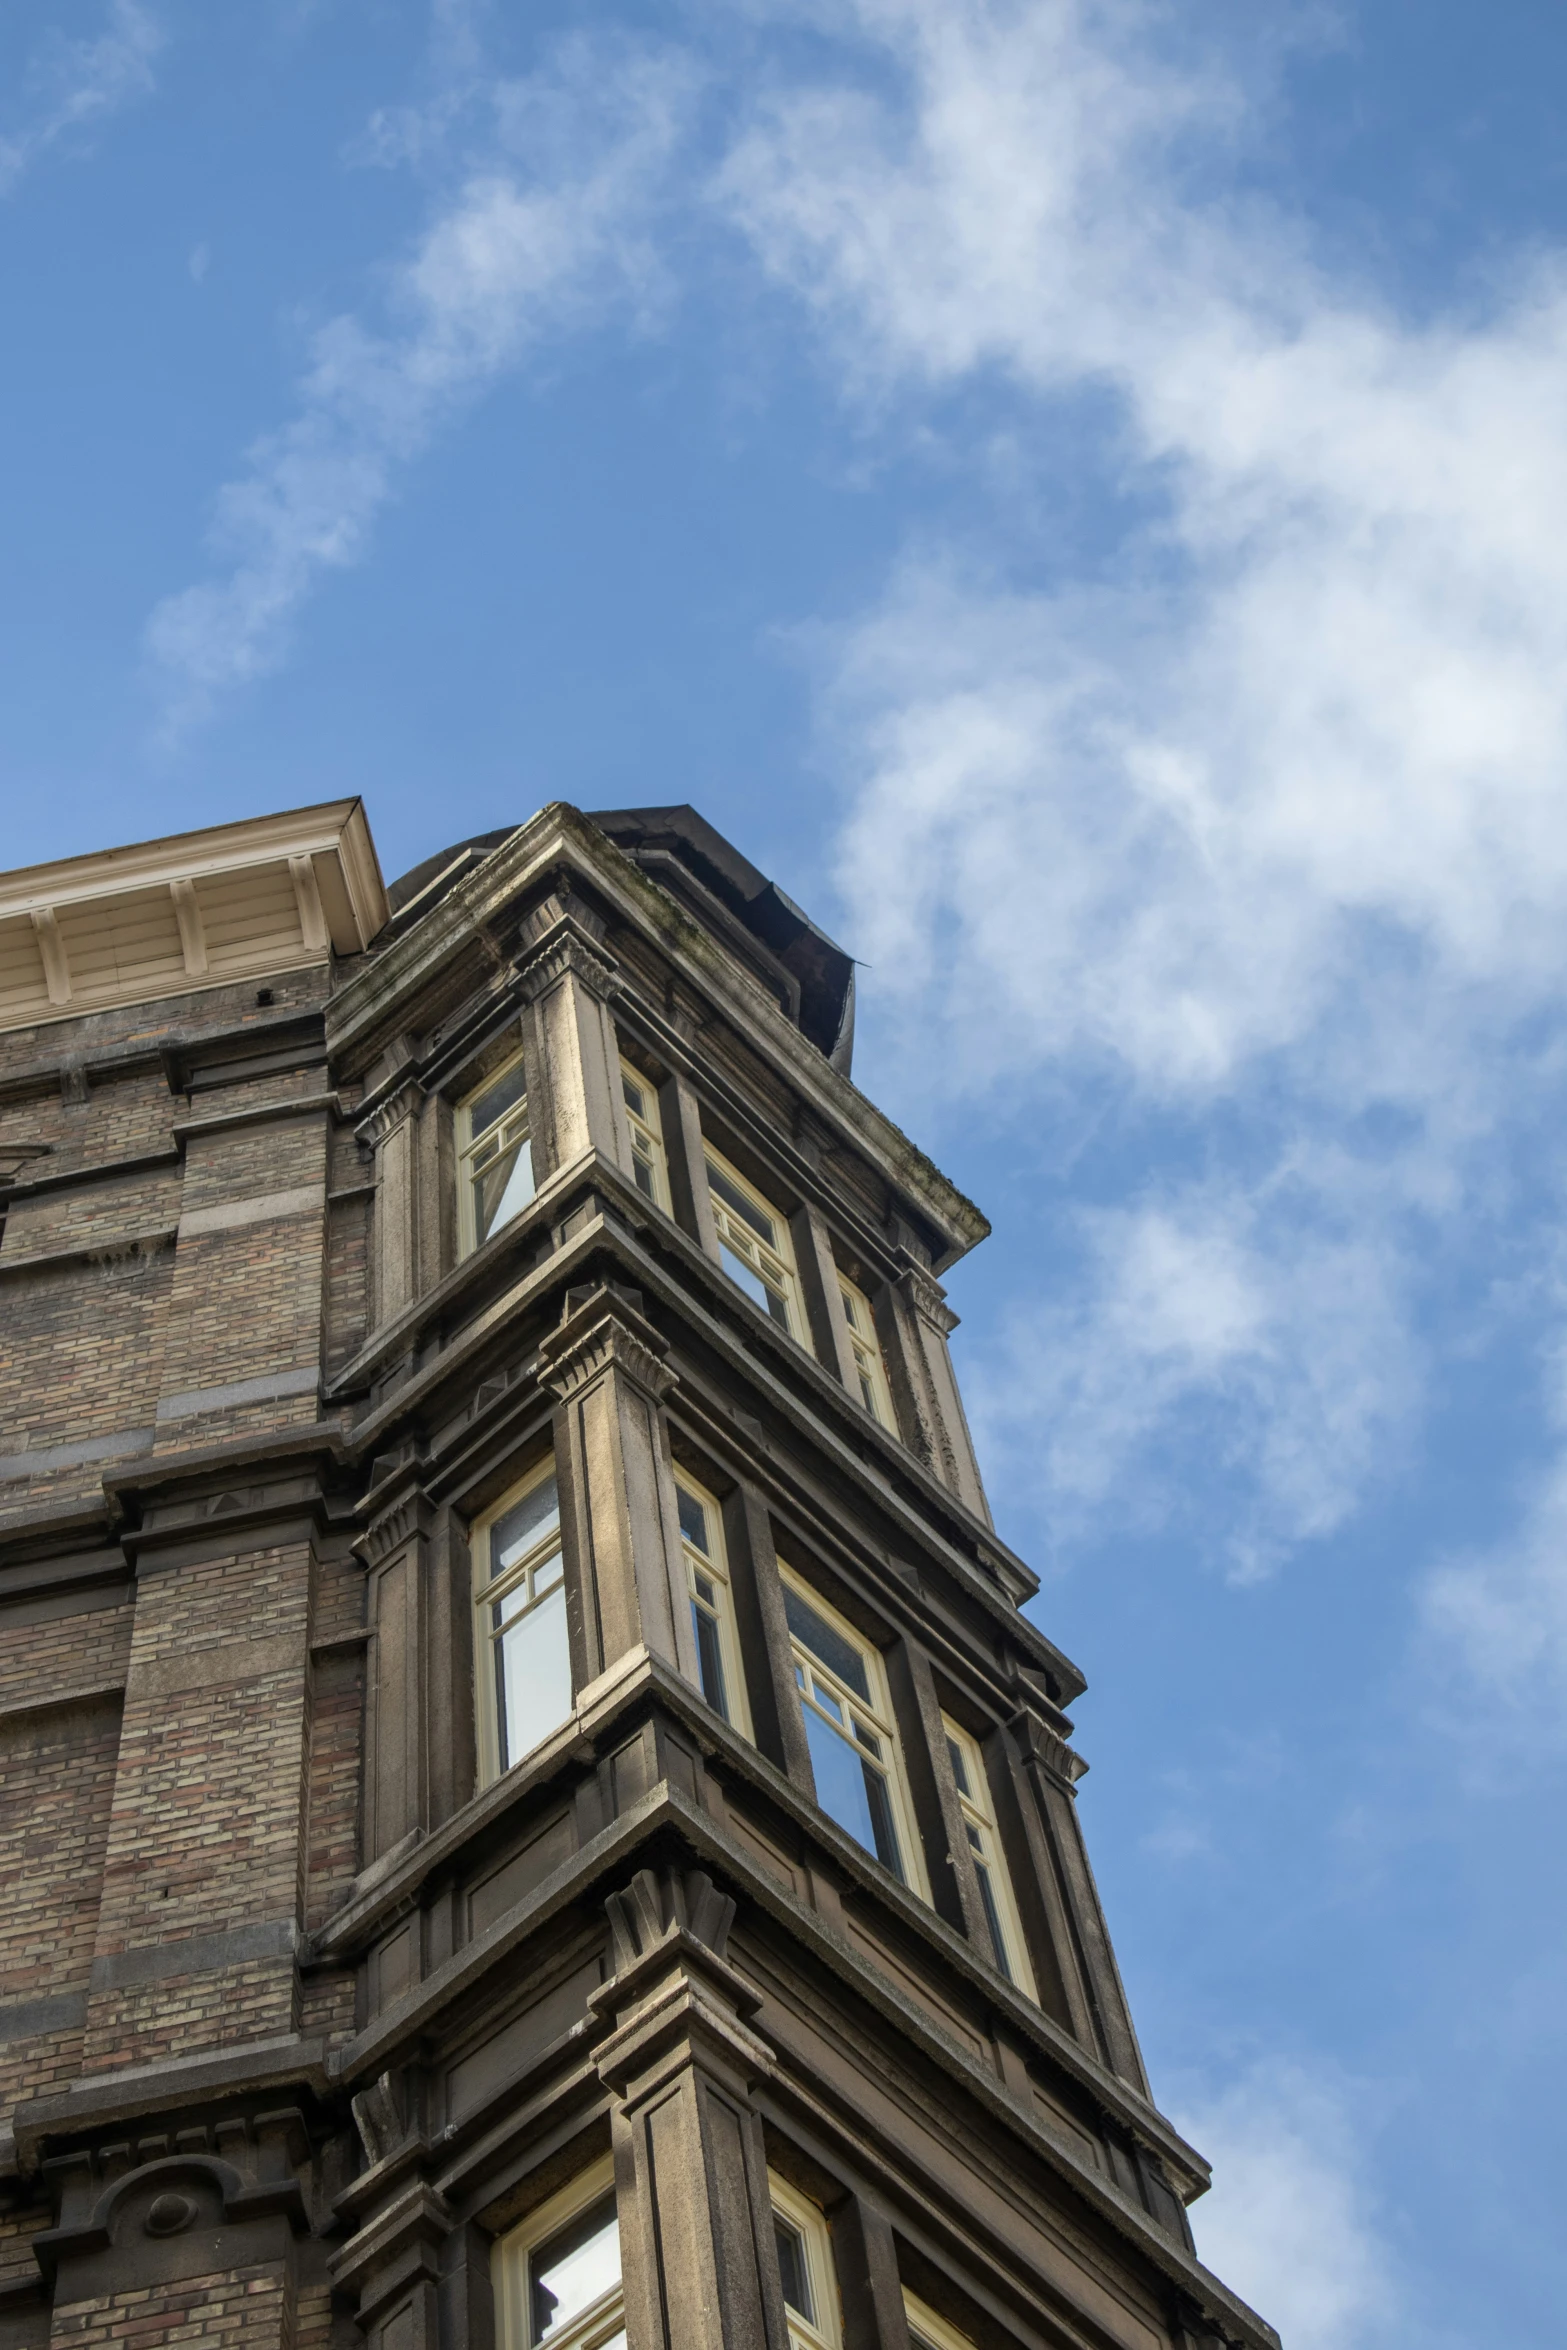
{"points": [[1266, 812], [69, 85], [545, 234], [1289, 2221]]}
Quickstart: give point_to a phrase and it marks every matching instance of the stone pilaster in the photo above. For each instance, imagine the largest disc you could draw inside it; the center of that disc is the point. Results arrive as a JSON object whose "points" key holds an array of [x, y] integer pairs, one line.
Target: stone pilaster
{"points": [[690, 2164], [918, 1321], [568, 982], [619, 1522]]}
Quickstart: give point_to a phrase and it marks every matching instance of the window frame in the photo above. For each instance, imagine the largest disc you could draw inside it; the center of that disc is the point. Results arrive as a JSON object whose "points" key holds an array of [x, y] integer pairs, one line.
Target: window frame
{"points": [[466, 1144], [509, 2266], [866, 1349], [809, 2223], [881, 1718], [742, 1241], [486, 1706], [976, 1808], [714, 1564], [648, 1127], [929, 2329]]}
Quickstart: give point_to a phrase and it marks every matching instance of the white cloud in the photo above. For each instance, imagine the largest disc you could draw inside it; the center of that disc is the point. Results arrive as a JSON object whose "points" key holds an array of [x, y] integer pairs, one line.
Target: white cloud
{"points": [[1276, 1350], [551, 231], [1288, 2222], [1270, 809], [72, 84]]}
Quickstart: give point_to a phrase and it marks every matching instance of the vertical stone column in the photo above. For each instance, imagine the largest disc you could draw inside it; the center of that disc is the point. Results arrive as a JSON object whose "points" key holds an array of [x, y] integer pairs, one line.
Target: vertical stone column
{"points": [[392, 1132], [690, 2164], [1079, 1937], [620, 1527], [916, 1322], [394, 1549], [575, 1103]]}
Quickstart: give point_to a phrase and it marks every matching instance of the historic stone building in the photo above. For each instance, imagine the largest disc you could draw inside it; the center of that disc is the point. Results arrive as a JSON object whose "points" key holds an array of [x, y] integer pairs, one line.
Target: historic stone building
{"points": [[529, 1811]]}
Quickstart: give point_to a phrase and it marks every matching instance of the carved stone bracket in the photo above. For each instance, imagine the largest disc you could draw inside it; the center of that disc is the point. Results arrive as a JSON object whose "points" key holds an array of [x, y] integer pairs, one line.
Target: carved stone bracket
{"points": [[403, 1515], [1041, 1746], [603, 1333], [927, 1297], [565, 948], [116, 2205], [374, 1132], [674, 1997]]}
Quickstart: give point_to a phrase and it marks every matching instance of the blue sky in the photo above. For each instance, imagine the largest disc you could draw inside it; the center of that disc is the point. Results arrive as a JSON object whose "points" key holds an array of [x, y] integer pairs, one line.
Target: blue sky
{"points": [[1080, 494]]}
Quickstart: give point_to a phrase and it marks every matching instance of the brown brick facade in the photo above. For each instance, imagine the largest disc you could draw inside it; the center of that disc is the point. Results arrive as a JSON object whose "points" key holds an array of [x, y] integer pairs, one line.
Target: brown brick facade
{"points": [[302, 2007]]}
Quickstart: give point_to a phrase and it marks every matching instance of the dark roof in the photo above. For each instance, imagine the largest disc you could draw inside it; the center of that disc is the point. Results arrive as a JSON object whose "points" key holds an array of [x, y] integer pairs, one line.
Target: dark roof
{"points": [[758, 922], [812, 978]]}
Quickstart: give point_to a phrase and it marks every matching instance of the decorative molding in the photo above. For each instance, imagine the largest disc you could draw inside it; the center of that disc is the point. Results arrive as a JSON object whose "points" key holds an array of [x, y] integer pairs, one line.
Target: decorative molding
{"points": [[660, 1904], [927, 1297], [568, 948], [374, 1132], [601, 1335]]}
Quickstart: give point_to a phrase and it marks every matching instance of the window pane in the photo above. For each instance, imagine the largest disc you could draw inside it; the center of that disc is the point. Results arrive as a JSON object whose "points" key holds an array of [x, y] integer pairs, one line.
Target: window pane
{"points": [[693, 1520], [815, 1633], [998, 1943], [793, 2270], [852, 1792], [573, 2270], [642, 1169], [525, 1524], [505, 1187], [777, 1303], [743, 1205], [959, 1767], [744, 1276], [633, 1096], [879, 1799], [533, 1674], [710, 1658], [496, 1099]]}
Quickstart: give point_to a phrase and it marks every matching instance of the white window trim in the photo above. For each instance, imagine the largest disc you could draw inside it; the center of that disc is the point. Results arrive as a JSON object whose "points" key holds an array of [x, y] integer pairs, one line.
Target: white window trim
{"points": [[978, 1810], [715, 1566], [650, 1129], [879, 1714], [827, 2332], [509, 2267], [930, 2328], [486, 1719], [746, 1244], [467, 1223], [865, 1347]]}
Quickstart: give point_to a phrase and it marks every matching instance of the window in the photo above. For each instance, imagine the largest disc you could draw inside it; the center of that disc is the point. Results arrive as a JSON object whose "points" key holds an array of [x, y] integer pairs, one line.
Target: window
{"points": [[869, 1361], [805, 2270], [712, 1604], [927, 2331], [494, 1155], [849, 1729], [647, 1138], [522, 1659], [753, 1244], [557, 2277], [995, 1889]]}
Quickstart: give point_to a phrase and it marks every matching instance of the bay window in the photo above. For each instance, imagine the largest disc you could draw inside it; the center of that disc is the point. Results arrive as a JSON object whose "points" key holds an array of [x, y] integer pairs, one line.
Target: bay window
{"points": [[995, 1886], [522, 1658], [869, 1362], [753, 1243], [805, 2269], [712, 1603], [647, 1136], [557, 2276], [849, 1728], [494, 1155]]}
